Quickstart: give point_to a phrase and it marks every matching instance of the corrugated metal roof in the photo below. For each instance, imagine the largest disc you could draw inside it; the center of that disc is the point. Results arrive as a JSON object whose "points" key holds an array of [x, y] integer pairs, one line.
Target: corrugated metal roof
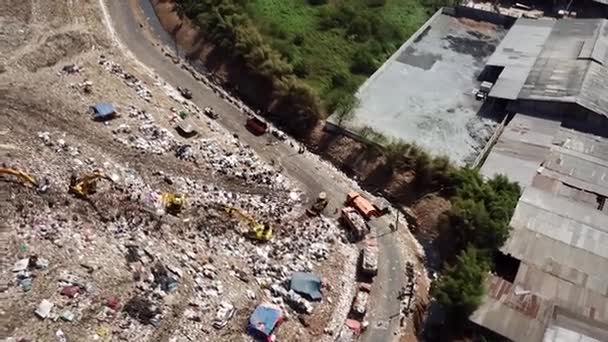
{"points": [[588, 305], [503, 309], [558, 234], [562, 61], [521, 148], [555, 333], [518, 55]]}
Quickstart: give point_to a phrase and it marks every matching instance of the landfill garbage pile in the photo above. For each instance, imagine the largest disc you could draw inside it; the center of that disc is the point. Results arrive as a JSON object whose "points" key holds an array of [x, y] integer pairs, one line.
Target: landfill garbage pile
{"points": [[235, 160], [130, 80], [207, 263]]}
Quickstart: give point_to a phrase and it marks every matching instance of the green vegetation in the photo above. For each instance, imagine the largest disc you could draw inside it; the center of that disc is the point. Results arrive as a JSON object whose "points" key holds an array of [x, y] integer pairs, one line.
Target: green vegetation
{"points": [[481, 210], [330, 47], [460, 288], [477, 225], [345, 38]]}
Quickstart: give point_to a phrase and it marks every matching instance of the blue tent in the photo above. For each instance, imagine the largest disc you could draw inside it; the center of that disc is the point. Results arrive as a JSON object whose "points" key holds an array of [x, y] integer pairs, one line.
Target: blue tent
{"points": [[102, 111], [306, 284], [264, 320]]}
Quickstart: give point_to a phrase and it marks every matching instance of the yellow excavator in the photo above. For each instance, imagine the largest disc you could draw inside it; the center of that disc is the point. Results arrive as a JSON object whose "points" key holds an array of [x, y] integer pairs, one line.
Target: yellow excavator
{"points": [[86, 185], [27, 178], [257, 231], [173, 202]]}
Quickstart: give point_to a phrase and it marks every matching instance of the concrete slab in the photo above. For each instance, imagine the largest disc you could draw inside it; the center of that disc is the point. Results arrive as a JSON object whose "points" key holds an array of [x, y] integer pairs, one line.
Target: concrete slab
{"points": [[425, 92]]}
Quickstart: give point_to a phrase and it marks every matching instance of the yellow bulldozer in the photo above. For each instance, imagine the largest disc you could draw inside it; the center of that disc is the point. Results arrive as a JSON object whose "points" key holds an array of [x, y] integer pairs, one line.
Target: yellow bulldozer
{"points": [[173, 203], [257, 231], [24, 176], [85, 185]]}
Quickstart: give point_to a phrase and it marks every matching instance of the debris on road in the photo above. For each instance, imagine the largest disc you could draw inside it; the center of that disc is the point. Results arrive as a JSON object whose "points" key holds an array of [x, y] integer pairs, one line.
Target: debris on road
{"points": [[306, 284], [264, 320], [223, 315], [44, 309]]}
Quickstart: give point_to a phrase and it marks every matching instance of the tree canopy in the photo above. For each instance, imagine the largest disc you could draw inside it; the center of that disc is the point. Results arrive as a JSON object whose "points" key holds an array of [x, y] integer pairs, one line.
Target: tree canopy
{"points": [[460, 289]]}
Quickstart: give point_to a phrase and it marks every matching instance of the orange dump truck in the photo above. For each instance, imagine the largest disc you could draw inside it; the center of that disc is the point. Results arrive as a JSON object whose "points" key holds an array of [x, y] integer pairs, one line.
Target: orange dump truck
{"points": [[363, 206]]}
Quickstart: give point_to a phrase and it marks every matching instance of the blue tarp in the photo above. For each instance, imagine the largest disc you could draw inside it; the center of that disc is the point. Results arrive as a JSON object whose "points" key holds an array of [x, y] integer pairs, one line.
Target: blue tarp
{"points": [[103, 110], [263, 320], [306, 284]]}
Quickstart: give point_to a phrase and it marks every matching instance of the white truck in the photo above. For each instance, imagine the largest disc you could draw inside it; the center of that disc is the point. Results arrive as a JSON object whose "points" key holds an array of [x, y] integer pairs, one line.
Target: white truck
{"points": [[369, 258]]}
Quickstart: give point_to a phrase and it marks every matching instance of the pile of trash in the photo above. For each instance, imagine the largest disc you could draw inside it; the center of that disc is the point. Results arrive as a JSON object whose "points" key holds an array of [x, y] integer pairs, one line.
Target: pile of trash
{"points": [[149, 136], [239, 162], [130, 80], [153, 139], [24, 269]]}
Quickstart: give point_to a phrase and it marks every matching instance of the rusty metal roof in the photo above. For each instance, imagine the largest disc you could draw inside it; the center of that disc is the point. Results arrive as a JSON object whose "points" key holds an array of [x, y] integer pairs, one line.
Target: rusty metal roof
{"points": [[559, 234]]}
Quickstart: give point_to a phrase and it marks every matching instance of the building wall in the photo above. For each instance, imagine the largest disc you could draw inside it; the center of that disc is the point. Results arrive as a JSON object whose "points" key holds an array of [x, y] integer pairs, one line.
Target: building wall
{"points": [[571, 114], [480, 15]]}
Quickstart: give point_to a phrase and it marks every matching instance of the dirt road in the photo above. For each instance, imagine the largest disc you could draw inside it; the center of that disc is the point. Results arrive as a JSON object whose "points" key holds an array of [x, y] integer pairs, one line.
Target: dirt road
{"points": [[314, 176]]}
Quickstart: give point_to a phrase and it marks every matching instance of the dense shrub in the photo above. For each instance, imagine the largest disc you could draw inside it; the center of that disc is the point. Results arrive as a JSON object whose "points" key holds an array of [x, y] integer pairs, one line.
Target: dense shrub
{"points": [[376, 3], [227, 23], [360, 28], [301, 69], [460, 288], [336, 16], [481, 210], [363, 62]]}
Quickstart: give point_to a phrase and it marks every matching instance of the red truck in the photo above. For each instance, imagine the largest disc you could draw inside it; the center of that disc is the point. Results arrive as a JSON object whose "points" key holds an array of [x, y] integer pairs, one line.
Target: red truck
{"points": [[256, 125]]}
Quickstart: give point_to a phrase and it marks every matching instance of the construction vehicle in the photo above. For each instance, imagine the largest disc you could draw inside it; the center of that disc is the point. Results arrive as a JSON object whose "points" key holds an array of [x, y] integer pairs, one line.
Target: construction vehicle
{"points": [[363, 206], [211, 113], [320, 204], [185, 92], [257, 231], [86, 185], [357, 227], [368, 258], [174, 203], [25, 177]]}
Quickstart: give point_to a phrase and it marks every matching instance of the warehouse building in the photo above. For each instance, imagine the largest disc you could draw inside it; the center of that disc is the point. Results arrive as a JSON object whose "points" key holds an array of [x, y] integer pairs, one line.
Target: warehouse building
{"points": [[553, 78], [554, 68]]}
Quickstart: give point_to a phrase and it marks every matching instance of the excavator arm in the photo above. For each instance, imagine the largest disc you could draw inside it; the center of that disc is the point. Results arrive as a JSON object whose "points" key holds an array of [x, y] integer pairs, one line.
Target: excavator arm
{"points": [[258, 231], [86, 185], [20, 174]]}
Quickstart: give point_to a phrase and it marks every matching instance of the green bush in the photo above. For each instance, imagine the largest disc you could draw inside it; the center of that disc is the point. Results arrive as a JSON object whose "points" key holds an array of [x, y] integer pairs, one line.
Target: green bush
{"points": [[376, 3], [301, 69], [460, 288], [346, 107], [360, 28], [336, 16], [363, 62], [298, 39], [339, 79], [481, 210], [317, 2]]}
